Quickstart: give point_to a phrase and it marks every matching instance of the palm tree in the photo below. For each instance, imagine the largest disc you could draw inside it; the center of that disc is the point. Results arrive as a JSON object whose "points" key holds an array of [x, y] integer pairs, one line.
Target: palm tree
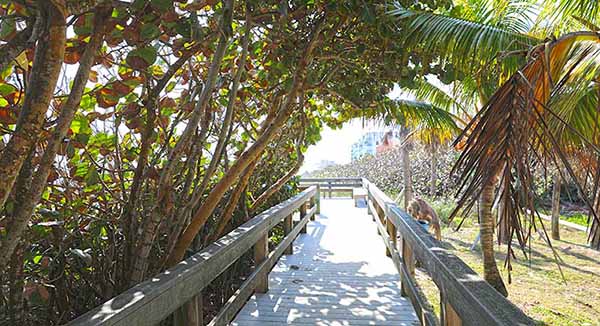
{"points": [[495, 42]]}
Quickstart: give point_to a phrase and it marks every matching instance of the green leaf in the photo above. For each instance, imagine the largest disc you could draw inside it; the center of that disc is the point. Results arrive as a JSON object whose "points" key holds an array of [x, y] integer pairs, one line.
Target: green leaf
{"points": [[81, 125], [7, 28], [161, 5], [149, 32], [92, 177], [141, 58], [6, 89], [84, 24]]}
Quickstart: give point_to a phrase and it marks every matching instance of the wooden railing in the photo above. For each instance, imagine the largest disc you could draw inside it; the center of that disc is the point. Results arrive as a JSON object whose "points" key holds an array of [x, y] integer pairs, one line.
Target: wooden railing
{"points": [[178, 290], [465, 298], [330, 185]]}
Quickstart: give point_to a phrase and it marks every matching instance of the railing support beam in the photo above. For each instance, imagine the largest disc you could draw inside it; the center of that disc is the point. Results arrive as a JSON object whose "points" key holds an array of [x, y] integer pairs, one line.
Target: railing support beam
{"points": [[312, 204], [318, 199], [288, 225], [302, 214], [191, 313], [261, 252], [409, 262], [448, 316]]}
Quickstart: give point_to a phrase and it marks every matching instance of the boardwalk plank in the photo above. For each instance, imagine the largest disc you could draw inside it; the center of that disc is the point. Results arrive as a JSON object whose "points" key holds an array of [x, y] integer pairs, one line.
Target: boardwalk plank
{"points": [[338, 275]]}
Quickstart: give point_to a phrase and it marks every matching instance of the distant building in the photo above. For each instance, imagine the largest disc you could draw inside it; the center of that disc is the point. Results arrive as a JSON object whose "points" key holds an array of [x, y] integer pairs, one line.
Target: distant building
{"points": [[324, 163], [387, 143], [368, 143]]}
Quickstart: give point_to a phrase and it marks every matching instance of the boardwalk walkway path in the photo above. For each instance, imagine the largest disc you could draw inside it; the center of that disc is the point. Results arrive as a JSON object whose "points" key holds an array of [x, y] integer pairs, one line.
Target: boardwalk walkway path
{"points": [[338, 275]]}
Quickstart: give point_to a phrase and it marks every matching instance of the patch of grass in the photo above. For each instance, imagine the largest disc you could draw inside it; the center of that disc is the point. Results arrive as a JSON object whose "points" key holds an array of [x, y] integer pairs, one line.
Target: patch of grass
{"points": [[537, 286], [577, 218]]}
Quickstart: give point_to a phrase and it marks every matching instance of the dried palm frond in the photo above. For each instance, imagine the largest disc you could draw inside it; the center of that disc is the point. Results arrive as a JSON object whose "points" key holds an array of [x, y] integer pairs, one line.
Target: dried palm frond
{"points": [[522, 127]]}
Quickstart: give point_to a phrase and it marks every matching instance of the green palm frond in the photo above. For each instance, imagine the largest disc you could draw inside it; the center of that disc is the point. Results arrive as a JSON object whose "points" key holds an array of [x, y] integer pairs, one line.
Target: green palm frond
{"points": [[427, 91], [426, 121], [574, 101], [470, 44], [422, 117], [587, 9]]}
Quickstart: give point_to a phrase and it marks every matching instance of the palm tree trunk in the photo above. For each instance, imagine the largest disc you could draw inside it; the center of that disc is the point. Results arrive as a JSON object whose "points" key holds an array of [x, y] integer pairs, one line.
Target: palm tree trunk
{"points": [[556, 206], [490, 269], [407, 175], [595, 229], [503, 233], [433, 176]]}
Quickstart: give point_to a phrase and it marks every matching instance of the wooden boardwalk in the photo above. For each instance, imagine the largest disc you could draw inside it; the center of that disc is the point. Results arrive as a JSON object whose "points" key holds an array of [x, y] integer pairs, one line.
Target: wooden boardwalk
{"points": [[338, 275]]}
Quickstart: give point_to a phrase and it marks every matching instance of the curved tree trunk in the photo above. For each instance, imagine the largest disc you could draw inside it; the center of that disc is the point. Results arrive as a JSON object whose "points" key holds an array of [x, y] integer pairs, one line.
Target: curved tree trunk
{"points": [[251, 154], [150, 227], [233, 202], [490, 269], [47, 62], [556, 206], [33, 194]]}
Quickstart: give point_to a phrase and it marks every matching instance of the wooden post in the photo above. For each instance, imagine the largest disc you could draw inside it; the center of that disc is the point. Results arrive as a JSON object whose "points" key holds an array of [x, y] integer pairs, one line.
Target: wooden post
{"points": [[261, 251], [318, 195], [367, 201], [312, 204], [448, 316], [409, 262], [302, 214], [288, 225], [190, 314], [381, 215], [391, 230]]}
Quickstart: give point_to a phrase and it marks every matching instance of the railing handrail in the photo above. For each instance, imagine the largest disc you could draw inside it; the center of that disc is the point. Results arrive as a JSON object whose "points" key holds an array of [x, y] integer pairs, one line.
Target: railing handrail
{"points": [[155, 299], [331, 179], [467, 298]]}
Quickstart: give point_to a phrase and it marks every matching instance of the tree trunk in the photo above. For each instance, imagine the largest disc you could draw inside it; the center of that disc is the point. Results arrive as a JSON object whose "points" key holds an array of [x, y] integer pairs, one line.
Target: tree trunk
{"points": [[407, 174], [595, 228], [490, 269], [503, 223], [47, 62], [283, 180], [251, 154], [150, 228], [34, 193], [556, 206], [233, 203], [433, 176]]}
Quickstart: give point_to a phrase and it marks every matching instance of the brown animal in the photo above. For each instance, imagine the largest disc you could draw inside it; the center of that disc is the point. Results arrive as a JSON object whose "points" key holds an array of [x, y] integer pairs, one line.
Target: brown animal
{"points": [[420, 210]]}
